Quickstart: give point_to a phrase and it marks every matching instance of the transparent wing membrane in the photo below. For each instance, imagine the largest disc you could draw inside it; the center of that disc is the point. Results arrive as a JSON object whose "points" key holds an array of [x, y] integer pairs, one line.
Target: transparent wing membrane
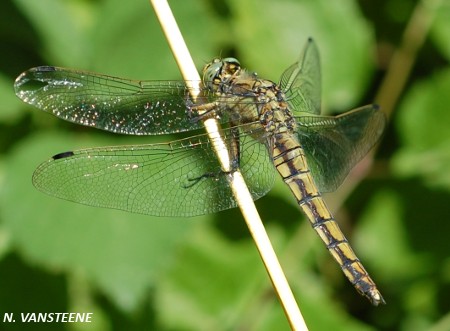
{"points": [[108, 103], [333, 145], [301, 82], [181, 178]]}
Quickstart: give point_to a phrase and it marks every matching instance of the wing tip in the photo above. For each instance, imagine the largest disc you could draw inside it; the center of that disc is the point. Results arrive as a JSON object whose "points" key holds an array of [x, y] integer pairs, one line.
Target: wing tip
{"points": [[30, 81]]}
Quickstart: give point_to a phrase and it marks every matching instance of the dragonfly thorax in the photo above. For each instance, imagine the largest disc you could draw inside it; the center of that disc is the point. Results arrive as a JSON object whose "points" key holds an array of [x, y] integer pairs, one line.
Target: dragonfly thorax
{"points": [[220, 71]]}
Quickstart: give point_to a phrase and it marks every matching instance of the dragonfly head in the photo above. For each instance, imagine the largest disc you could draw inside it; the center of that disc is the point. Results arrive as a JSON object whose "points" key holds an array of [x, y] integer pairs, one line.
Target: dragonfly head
{"points": [[220, 71]]}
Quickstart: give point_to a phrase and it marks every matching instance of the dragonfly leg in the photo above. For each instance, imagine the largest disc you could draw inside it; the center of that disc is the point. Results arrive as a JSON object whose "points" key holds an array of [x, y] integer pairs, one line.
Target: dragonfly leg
{"points": [[203, 111], [214, 176], [196, 180], [235, 149]]}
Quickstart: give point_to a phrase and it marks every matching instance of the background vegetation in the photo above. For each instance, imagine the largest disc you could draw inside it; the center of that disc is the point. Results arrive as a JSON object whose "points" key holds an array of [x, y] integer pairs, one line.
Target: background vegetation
{"points": [[139, 273]]}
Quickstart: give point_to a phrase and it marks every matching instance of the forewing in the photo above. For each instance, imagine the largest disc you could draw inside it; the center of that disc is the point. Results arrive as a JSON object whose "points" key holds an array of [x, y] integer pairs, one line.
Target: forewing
{"points": [[301, 82], [181, 178], [333, 145], [109, 103]]}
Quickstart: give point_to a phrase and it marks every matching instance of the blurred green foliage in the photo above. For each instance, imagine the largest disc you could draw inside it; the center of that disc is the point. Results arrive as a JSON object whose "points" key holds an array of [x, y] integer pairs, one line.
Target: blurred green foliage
{"points": [[140, 273]]}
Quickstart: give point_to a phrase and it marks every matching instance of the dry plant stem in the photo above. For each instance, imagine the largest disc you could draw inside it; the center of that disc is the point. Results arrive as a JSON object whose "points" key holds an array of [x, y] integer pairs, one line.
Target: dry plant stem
{"points": [[404, 57], [236, 181]]}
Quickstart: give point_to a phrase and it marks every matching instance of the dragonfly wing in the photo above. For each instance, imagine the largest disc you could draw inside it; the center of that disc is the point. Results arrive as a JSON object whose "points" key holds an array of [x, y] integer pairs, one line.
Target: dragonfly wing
{"points": [[109, 103], [181, 178], [333, 145], [255, 163], [301, 82]]}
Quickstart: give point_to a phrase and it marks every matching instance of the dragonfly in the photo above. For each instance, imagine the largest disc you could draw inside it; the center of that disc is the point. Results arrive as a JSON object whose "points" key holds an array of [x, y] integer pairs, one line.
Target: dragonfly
{"points": [[265, 127]]}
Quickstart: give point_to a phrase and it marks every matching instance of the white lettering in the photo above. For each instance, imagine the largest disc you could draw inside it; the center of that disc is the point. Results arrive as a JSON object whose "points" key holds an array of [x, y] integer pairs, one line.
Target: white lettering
{"points": [[52, 317]]}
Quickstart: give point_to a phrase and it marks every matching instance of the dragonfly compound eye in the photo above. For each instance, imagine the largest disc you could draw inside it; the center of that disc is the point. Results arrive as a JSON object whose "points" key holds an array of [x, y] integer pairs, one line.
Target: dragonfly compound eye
{"points": [[219, 71], [231, 65], [211, 73]]}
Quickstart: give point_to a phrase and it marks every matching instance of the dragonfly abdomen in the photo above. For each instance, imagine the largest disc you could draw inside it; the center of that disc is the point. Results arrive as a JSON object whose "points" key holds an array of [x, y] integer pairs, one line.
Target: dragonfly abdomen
{"points": [[289, 159]]}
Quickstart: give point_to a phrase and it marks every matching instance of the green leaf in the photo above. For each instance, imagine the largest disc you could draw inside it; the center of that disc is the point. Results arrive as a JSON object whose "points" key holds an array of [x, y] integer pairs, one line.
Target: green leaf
{"points": [[128, 40], [271, 35], [214, 282], [122, 253], [120, 39], [431, 165], [441, 25], [396, 257], [10, 104], [442, 325], [422, 123], [62, 26], [217, 284], [34, 287]]}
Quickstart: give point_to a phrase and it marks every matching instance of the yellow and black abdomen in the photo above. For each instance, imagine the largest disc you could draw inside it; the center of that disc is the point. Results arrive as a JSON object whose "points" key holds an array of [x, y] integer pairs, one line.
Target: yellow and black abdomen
{"points": [[290, 161]]}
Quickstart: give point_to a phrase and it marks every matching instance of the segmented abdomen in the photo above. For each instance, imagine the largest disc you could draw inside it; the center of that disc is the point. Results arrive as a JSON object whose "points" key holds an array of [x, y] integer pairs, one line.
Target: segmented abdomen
{"points": [[290, 161]]}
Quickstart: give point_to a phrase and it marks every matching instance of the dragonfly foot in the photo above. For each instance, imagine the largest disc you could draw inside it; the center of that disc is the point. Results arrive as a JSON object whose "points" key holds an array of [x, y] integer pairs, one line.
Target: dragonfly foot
{"points": [[196, 180], [203, 111]]}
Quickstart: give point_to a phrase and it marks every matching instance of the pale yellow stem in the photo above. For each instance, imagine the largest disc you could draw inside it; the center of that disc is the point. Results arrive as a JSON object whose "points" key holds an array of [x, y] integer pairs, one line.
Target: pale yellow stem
{"points": [[236, 181]]}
